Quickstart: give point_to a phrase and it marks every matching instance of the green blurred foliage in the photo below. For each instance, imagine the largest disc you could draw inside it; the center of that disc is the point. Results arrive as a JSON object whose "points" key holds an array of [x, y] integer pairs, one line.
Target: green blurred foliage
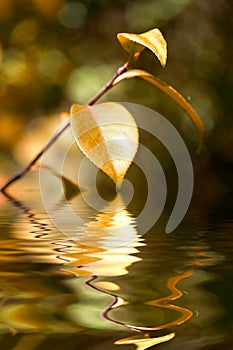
{"points": [[54, 53]]}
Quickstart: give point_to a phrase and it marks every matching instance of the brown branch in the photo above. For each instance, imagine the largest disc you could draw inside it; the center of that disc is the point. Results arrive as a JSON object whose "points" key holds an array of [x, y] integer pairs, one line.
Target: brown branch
{"points": [[63, 126]]}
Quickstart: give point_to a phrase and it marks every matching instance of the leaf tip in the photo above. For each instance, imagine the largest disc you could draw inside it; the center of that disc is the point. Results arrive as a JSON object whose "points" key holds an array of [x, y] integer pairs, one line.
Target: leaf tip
{"points": [[75, 108]]}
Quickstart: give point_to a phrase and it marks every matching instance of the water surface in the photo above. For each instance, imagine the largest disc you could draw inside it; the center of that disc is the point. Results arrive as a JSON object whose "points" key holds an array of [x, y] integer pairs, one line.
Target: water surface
{"points": [[96, 289]]}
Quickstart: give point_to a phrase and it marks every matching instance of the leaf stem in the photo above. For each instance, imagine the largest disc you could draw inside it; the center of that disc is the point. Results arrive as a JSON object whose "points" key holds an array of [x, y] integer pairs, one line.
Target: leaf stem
{"points": [[63, 126], [108, 85]]}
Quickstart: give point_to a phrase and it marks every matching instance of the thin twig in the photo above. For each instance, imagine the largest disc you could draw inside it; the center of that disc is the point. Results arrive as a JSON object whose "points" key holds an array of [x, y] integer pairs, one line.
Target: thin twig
{"points": [[63, 126], [17, 176], [109, 84]]}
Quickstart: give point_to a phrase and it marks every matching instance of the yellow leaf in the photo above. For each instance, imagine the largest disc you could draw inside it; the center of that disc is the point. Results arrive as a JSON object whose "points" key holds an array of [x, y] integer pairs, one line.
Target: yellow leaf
{"points": [[145, 343], [108, 136], [170, 91], [153, 40], [76, 108]]}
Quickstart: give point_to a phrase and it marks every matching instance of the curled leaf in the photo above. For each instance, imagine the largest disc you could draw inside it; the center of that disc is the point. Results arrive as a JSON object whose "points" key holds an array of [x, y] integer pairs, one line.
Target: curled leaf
{"points": [[107, 134], [170, 91], [152, 40]]}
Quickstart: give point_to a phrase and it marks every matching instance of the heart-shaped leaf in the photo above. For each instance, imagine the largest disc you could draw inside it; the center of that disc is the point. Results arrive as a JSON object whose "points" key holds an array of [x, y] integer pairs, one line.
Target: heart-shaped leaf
{"points": [[153, 40], [107, 134], [170, 91]]}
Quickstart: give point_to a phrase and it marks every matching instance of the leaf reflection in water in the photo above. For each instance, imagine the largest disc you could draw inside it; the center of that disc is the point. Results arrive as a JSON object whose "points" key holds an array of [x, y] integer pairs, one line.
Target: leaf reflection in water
{"points": [[110, 239], [186, 314], [146, 342], [165, 302], [104, 248]]}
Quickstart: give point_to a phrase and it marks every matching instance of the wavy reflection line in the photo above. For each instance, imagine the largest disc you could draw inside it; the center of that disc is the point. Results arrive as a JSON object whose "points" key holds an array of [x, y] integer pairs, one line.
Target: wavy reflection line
{"points": [[186, 314], [142, 340], [202, 257], [43, 230], [161, 302], [117, 301], [62, 245]]}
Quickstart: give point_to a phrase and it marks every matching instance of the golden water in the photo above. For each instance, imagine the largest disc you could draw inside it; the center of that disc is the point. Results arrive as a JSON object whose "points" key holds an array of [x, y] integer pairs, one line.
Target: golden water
{"points": [[92, 291]]}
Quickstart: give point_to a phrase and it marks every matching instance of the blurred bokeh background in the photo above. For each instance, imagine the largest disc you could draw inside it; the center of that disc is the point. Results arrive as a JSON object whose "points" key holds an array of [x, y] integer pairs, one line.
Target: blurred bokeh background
{"points": [[57, 52]]}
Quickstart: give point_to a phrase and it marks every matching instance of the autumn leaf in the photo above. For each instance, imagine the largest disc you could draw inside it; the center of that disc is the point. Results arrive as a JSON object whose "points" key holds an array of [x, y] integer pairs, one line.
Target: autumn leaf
{"points": [[170, 91], [108, 136], [75, 108], [152, 40]]}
